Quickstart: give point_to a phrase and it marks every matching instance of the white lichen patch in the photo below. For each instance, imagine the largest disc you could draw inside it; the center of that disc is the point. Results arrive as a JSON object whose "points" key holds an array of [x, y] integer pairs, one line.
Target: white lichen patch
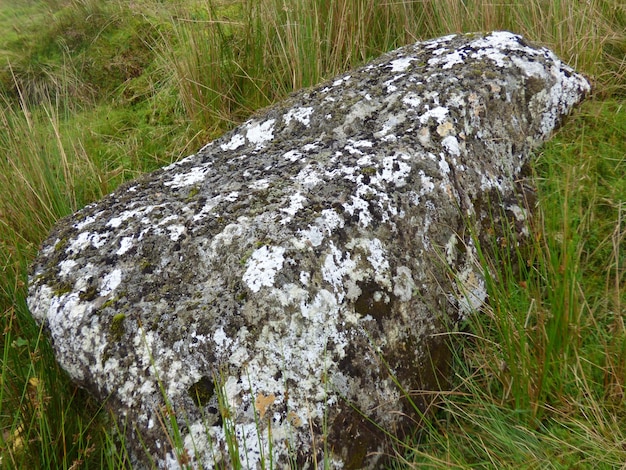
{"points": [[502, 40], [337, 265], [372, 179], [362, 143], [444, 166], [176, 231], [260, 184], [330, 220], [400, 65], [126, 244], [234, 143], [389, 83], [221, 340], [530, 69], [302, 115], [489, 181], [378, 260], [208, 208], [171, 167], [521, 215], [262, 267], [232, 196], [66, 267], [142, 213], [439, 114], [111, 281], [260, 133], [427, 184], [311, 356], [354, 147], [361, 207], [451, 144], [86, 239], [447, 61], [433, 43], [305, 278], [403, 284], [412, 100], [193, 176], [360, 111], [168, 219], [63, 310], [295, 204], [293, 155], [312, 235], [389, 125], [394, 170], [341, 81], [308, 177], [83, 223]]}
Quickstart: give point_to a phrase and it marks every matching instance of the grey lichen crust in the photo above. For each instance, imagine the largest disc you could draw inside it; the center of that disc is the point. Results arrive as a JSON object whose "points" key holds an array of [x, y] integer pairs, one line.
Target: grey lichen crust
{"points": [[299, 268]]}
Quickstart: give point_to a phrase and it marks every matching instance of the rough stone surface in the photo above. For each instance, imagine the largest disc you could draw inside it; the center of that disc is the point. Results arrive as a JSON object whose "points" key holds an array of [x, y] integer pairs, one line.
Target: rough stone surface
{"points": [[305, 262]]}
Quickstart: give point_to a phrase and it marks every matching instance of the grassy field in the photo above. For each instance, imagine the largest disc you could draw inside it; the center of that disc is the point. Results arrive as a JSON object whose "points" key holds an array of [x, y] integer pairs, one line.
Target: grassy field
{"points": [[95, 93]]}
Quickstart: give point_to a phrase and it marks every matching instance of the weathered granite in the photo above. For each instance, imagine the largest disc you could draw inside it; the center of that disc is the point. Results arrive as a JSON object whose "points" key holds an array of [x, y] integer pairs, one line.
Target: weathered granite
{"points": [[306, 261]]}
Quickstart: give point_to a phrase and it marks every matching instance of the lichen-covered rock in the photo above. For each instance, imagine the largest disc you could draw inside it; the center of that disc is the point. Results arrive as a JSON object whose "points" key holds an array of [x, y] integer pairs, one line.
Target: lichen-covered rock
{"points": [[294, 276]]}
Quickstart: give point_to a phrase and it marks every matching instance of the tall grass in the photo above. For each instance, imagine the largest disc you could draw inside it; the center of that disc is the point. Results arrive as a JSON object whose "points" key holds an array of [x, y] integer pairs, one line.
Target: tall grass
{"points": [[42, 179], [230, 58], [92, 93]]}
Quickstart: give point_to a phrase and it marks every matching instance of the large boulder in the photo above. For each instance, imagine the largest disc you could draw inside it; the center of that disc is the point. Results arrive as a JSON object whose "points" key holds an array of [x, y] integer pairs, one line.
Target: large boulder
{"points": [[284, 293]]}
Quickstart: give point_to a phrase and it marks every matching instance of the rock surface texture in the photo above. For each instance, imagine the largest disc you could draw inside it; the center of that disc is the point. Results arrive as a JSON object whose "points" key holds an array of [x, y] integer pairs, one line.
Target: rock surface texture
{"points": [[289, 277]]}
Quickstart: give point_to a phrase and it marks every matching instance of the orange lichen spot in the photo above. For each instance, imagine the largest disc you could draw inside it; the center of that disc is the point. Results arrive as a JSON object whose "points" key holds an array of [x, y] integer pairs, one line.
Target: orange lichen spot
{"points": [[444, 129], [263, 402], [294, 419]]}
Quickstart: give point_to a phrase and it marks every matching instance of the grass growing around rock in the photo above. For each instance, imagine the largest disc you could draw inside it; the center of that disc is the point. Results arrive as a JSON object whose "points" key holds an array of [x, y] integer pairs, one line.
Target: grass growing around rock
{"points": [[94, 93], [540, 371]]}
